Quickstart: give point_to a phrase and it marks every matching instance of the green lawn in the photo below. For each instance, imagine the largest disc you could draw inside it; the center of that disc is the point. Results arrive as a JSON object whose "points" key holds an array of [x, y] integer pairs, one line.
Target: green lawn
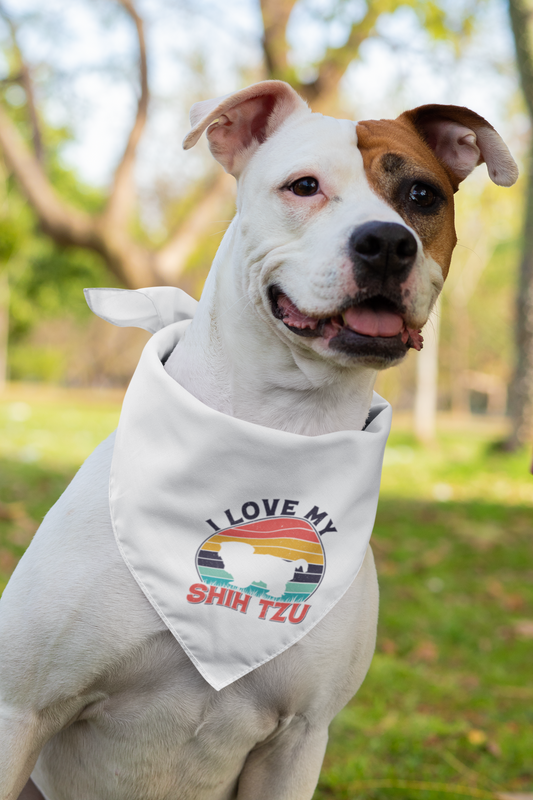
{"points": [[449, 697]]}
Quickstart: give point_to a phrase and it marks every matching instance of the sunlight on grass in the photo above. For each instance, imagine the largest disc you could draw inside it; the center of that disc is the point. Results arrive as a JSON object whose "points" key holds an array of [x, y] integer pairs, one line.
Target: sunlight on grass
{"points": [[53, 426], [463, 464]]}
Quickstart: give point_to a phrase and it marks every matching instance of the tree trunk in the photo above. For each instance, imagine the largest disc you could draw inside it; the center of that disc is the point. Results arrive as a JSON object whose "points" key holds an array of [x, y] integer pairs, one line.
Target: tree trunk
{"points": [[521, 387], [461, 284], [461, 346], [427, 374]]}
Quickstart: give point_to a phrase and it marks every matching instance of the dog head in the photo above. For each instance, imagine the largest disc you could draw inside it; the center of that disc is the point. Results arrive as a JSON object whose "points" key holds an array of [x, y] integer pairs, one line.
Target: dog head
{"points": [[344, 231]]}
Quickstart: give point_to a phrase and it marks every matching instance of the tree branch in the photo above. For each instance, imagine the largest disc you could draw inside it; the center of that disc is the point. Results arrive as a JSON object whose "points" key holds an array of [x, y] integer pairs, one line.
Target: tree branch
{"points": [[337, 60], [171, 259], [122, 196], [131, 263], [63, 223], [25, 80], [276, 15], [520, 16], [32, 110]]}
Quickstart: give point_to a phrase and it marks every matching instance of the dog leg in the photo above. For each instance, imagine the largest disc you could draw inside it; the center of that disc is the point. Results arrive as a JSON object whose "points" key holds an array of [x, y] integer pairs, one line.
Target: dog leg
{"points": [[287, 767], [30, 792], [21, 742]]}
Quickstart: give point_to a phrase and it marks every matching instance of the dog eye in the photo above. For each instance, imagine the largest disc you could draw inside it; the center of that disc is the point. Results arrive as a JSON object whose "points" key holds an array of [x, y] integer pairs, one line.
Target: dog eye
{"points": [[423, 195], [304, 187]]}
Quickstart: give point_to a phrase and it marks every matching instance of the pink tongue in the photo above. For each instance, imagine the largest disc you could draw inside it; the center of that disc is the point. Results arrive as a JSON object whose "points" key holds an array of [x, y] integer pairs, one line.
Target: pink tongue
{"points": [[373, 323]]}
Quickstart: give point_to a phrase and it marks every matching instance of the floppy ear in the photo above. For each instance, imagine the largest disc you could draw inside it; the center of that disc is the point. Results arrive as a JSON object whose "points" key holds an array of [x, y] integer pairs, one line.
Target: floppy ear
{"points": [[240, 122], [462, 139]]}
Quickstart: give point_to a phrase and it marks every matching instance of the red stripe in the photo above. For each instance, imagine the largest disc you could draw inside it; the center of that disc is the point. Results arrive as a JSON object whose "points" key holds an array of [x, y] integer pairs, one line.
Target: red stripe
{"points": [[275, 528]]}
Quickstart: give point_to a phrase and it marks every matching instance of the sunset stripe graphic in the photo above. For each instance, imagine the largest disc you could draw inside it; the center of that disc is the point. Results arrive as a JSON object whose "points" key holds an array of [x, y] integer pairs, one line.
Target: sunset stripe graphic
{"points": [[287, 538]]}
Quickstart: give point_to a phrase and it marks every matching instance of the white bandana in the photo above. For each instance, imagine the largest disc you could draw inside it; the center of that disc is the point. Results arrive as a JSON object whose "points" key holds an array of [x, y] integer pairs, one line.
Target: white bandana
{"points": [[241, 537]]}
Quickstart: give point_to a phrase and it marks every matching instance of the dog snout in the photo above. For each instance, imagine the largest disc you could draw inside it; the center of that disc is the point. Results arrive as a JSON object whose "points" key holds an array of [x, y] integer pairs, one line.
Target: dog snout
{"points": [[382, 250]]}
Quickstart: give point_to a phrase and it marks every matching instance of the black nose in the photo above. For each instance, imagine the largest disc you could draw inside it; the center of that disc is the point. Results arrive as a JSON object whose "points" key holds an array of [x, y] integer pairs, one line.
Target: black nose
{"points": [[383, 249]]}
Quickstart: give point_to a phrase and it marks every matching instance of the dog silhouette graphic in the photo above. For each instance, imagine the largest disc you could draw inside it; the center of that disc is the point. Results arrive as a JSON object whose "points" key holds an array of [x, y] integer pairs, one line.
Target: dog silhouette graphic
{"points": [[247, 566]]}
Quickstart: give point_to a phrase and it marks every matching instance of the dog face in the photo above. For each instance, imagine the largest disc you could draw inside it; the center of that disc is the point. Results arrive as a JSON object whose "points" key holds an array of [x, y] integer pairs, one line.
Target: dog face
{"points": [[344, 231]]}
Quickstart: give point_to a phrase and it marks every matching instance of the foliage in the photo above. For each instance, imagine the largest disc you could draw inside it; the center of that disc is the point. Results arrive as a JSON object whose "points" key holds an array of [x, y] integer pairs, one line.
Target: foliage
{"points": [[49, 284], [9, 235], [46, 281]]}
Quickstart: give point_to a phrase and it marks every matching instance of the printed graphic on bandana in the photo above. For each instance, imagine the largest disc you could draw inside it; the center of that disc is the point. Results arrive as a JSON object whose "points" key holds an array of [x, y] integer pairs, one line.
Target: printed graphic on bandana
{"points": [[278, 558]]}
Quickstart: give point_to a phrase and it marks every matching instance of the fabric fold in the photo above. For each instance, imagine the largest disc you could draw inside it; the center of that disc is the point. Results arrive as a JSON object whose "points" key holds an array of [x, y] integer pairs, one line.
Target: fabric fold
{"points": [[152, 308]]}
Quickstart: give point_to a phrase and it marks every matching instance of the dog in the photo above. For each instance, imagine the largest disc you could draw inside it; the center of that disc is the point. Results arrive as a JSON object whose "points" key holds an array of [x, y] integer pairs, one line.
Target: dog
{"points": [[340, 245], [247, 566]]}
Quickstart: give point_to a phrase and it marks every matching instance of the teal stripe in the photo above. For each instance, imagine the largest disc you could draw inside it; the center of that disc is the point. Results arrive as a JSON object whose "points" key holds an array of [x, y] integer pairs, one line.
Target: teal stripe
{"points": [[301, 588], [209, 572]]}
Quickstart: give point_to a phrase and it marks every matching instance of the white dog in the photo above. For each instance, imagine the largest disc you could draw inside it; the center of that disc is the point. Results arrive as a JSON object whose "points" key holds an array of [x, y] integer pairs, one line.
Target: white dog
{"points": [[340, 245], [246, 566]]}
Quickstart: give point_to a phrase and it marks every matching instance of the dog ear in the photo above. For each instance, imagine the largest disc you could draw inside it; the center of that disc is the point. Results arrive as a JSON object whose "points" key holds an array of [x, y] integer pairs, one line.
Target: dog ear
{"points": [[461, 139], [241, 121]]}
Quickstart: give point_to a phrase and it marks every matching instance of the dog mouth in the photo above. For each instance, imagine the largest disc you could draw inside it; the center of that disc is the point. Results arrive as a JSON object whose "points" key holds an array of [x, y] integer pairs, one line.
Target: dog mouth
{"points": [[371, 326]]}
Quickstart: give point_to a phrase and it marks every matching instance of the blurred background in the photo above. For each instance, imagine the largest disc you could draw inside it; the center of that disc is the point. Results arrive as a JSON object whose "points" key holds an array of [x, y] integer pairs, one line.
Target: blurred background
{"points": [[96, 191]]}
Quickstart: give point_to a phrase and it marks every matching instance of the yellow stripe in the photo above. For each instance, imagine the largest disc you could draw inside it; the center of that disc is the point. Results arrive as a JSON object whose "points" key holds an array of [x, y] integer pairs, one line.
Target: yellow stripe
{"points": [[290, 553], [286, 552]]}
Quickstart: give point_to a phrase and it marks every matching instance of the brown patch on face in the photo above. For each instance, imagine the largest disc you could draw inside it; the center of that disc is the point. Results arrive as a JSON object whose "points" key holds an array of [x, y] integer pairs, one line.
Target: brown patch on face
{"points": [[395, 157]]}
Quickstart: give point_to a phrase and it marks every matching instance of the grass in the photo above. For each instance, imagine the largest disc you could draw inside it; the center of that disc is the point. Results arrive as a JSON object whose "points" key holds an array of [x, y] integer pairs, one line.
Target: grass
{"points": [[45, 435], [447, 706], [449, 696]]}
